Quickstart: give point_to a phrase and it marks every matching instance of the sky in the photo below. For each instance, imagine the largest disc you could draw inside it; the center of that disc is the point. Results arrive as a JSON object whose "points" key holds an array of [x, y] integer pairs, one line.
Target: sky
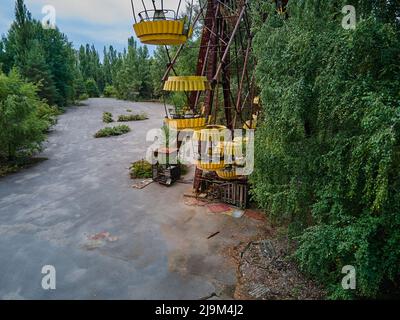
{"points": [[98, 22]]}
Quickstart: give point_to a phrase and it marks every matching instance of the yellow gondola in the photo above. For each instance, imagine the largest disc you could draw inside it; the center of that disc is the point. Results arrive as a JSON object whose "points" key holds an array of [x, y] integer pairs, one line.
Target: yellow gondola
{"points": [[211, 159], [186, 84], [211, 133], [210, 166], [166, 32], [189, 123], [227, 174], [160, 26]]}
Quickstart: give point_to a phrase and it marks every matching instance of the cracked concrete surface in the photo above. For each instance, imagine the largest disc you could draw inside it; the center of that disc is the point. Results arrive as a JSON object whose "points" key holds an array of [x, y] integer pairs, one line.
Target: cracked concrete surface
{"points": [[159, 247]]}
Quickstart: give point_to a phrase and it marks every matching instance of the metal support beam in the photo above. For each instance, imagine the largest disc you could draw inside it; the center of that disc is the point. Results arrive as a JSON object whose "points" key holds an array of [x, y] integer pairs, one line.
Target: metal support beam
{"points": [[230, 41]]}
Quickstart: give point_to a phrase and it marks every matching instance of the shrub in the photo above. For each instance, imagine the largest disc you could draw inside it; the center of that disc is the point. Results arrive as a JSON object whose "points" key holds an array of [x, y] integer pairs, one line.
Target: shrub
{"points": [[92, 89], [107, 117], [140, 170], [48, 114], [83, 97], [132, 117], [23, 117], [80, 87], [110, 91], [112, 131]]}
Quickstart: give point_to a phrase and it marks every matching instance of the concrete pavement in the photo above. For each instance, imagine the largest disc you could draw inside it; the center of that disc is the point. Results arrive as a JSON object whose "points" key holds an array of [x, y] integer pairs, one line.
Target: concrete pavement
{"points": [[78, 212]]}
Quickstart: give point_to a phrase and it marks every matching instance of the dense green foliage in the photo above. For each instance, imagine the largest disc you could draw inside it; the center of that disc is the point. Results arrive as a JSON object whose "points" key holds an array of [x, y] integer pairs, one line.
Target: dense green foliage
{"points": [[42, 56], [91, 88], [110, 91], [23, 117], [331, 137], [124, 75], [58, 75], [112, 131]]}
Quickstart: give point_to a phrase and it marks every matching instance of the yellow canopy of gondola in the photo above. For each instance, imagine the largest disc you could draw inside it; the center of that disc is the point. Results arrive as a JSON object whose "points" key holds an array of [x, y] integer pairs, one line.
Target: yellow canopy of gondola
{"points": [[227, 174], [162, 32], [210, 166], [191, 123], [187, 83]]}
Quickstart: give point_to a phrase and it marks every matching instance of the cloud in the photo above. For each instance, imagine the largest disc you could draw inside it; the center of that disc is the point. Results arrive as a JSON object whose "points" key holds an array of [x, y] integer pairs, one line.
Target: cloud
{"points": [[102, 22], [93, 11], [105, 35], [106, 12]]}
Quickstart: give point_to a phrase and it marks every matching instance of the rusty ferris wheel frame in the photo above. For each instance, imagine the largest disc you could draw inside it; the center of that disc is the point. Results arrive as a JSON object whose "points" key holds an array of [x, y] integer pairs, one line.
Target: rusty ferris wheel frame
{"points": [[225, 58]]}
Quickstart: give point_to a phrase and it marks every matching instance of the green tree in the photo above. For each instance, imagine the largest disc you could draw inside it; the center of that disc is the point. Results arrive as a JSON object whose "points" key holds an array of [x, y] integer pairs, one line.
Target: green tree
{"points": [[79, 85], [21, 126], [110, 92], [127, 81], [36, 70], [144, 73], [92, 89], [158, 66], [90, 65], [60, 57], [29, 46]]}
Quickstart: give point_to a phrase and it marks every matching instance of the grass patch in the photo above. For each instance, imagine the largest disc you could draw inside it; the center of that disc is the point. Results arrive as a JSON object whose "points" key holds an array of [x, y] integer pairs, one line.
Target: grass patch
{"points": [[112, 131], [107, 117], [128, 110], [140, 170], [132, 117]]}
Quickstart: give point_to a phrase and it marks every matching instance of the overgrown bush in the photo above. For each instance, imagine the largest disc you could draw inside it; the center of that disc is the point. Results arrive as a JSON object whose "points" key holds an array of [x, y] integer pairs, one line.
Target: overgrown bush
{"points": [[48, 114], [110, 91], [83, 97], [132, 117], [112, 131], [107, 117], [92, 88], [140, 170], [330, 138], [23, 117]]}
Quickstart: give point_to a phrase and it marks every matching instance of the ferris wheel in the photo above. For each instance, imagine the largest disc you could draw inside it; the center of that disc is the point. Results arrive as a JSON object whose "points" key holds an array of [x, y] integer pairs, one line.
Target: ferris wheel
{"points": [[222, 94]]}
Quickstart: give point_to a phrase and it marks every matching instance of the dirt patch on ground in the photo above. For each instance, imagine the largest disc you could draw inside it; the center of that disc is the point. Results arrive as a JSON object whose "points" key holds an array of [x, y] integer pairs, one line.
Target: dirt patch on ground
{"points": [[265, 270], [261, 255]]}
